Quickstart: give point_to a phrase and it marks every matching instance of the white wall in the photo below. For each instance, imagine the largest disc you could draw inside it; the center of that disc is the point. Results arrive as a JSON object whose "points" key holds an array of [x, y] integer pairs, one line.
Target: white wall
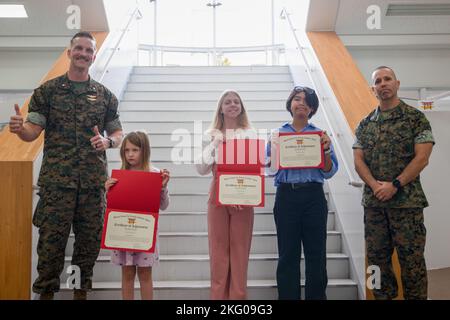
{"points": [[117, 9], [23, 70], [428, 68], [414, 67], [435, 180], [20, 72], [7, 101]]}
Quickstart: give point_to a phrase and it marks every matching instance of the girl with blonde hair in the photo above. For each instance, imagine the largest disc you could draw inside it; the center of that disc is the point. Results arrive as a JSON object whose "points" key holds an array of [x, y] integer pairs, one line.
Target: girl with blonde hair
{"points": [[229, 227]]}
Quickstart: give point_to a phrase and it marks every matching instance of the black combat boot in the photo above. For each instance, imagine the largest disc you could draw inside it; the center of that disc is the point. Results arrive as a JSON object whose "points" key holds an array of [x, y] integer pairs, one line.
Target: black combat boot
{"points": [[46, 296], [79, 294]]}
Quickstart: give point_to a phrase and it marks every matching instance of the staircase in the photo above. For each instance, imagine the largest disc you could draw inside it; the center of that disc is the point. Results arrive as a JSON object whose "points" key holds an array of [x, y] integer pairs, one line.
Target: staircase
{"points": [[163, 99]]}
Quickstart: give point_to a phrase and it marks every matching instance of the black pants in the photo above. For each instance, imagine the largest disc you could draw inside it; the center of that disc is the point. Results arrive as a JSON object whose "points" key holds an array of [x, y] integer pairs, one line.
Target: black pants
{"points": [[301, 213]]}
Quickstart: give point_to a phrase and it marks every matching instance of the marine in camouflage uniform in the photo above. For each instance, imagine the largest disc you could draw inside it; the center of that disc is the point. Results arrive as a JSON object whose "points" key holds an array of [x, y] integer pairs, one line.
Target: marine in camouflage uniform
{"points": [[74, 111], [72, 175], [388, 142]]}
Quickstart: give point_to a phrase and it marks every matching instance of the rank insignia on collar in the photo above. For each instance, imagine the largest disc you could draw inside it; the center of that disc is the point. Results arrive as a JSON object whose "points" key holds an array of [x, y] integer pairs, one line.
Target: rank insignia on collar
{"points": [[91, 97]]}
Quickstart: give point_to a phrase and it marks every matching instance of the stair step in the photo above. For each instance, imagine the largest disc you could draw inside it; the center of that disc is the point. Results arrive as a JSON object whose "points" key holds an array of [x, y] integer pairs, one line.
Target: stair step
{"points": [[198, 202], [189, 202], [197, 243], [166, 153], [204, 234], [197, 267], [202, 95], [172, 222], [337, 289], [167, 140], [210, 105], [214, 77], [202, 184], [204, 115], [186, 127], [211, 70], [175, 169], [208, 86], [197, 221]]}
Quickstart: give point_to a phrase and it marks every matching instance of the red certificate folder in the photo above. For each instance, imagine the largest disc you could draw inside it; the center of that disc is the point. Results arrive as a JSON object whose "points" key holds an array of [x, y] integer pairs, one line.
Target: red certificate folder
{"points": [[133, 199], [321, 163], [241, 157]]}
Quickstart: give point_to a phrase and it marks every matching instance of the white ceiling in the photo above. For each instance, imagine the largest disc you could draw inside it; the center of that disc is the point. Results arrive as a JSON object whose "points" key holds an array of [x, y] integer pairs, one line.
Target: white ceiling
{"points": [[46, 23], [349, 17]]}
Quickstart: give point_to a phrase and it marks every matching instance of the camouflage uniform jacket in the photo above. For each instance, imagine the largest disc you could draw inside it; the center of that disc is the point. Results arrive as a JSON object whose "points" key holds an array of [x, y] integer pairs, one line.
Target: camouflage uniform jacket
{"points": [[68, 114], [387, 140]]}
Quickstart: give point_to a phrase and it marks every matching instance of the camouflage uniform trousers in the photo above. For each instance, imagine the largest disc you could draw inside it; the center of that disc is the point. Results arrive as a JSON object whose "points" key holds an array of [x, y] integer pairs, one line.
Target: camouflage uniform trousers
{"points": [[58, 209], [403, 229]]}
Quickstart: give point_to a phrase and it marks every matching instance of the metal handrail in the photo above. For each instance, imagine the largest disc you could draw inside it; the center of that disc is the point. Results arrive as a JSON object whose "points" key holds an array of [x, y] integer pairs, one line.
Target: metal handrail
{"points": [[150, 47], [214, 51], [354, 182], [124, 31]]}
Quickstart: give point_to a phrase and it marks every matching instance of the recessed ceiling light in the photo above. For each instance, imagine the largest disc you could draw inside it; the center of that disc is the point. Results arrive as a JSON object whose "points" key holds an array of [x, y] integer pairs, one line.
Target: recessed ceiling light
{"points": [[12, 11]]}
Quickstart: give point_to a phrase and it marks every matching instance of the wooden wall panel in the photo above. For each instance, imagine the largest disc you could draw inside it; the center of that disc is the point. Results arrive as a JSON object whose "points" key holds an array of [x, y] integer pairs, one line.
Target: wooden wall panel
{"points": [[15, 229], [349, 85]]}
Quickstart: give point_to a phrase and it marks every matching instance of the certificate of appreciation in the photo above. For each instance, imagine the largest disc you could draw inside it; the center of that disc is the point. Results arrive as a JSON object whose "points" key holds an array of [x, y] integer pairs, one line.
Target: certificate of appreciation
{"points": [[240, 189], [128, 230], [240, 174], [300, 150], [131, 217]]}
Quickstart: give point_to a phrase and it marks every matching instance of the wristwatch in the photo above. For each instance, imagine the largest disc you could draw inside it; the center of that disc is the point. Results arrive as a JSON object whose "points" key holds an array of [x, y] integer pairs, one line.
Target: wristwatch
{"points": [[111, 142], [397, 183]]}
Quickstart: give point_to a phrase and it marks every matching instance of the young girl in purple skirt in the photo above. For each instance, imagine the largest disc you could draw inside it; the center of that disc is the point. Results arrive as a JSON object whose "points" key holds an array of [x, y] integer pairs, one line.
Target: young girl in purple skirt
{"points": [[135, 154]]}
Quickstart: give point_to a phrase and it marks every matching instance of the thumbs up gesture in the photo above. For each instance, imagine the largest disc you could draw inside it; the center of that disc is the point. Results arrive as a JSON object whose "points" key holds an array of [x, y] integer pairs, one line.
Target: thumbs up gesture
{"points": [[16, 121], [99, 142]]}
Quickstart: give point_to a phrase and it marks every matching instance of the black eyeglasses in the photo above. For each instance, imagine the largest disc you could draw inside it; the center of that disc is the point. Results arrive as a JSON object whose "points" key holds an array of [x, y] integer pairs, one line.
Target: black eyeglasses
{"points": [[304, 89]]}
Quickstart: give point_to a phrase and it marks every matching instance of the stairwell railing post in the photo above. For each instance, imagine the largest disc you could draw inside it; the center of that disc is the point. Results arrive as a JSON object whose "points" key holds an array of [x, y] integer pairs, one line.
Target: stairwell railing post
{"points": [[214, 4]]}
